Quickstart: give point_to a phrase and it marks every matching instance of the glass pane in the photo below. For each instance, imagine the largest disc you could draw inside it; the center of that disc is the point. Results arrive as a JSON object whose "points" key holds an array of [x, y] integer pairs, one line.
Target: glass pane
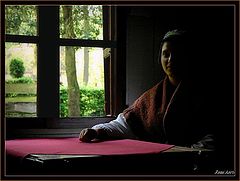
{"points": [[81, 22], [21, 20], [20, 79], [81, 82]]}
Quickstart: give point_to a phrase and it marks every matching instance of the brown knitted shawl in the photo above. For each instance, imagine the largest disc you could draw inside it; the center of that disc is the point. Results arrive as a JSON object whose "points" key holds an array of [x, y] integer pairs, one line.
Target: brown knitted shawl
{"points": [[163, 114]]}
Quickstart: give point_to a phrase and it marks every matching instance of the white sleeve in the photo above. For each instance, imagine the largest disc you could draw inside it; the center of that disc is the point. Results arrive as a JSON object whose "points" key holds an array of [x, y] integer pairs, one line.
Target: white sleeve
{"points": [[117, 128]]}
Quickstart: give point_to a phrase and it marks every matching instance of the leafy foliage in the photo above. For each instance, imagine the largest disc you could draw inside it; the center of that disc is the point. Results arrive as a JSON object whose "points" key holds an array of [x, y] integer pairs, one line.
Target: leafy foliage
{"points": [[17, 68], [25, 80], [21, 20], [87, 22], [91, 102], [63, 102]]}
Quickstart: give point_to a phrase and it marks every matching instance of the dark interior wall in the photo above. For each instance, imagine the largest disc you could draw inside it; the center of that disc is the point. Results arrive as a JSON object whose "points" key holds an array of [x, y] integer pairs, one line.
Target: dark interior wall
{"points": [[212, 25], [141, 66]]}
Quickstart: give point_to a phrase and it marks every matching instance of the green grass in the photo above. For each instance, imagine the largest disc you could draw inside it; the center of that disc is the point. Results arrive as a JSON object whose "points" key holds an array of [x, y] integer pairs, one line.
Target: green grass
{"points": [[21, 99], [21, 88], [17, 114]]}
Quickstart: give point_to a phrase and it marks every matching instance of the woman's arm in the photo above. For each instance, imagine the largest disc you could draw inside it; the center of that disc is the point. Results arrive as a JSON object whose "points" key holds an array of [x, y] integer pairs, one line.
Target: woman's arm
{"points": [[116, 129]]}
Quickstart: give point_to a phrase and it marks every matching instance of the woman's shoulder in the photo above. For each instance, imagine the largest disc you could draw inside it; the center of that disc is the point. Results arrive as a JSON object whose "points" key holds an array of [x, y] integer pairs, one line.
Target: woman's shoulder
{"points": [[154, 89], [150, 94], [144, 101]]}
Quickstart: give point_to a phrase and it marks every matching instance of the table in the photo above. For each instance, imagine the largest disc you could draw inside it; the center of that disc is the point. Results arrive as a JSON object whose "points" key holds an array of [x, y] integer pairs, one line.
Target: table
{"points": [[125, 157]]}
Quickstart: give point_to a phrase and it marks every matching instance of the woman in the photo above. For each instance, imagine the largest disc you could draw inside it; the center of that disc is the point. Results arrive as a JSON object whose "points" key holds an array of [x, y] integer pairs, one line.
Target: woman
{"points": [[167, 113]]}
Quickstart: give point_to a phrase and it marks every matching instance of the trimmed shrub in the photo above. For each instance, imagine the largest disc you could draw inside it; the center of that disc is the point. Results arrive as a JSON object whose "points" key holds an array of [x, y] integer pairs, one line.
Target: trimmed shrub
{"points": [[17, 68], [91, 102], [23, 80]]}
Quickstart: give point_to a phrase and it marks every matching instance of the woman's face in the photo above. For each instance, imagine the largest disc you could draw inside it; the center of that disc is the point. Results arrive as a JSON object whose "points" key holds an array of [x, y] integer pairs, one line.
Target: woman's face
{"points": [[173, 58]]}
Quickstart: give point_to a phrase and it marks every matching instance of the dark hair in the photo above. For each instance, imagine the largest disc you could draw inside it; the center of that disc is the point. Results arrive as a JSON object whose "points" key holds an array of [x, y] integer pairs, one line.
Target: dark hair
{"points": [[174, 36]]}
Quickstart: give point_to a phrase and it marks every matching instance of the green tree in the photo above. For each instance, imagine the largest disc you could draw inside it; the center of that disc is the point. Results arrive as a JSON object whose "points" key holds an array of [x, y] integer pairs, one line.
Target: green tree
{"points": [[21, 20], [70, 63], [91, 28], [87, 21], [86, 34], [83, 22], [17, 68]]}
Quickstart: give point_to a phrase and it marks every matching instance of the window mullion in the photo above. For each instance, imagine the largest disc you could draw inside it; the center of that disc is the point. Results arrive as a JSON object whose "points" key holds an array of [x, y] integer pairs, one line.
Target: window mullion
{"points": [[48, 62], [119, 63], [21, 38]]}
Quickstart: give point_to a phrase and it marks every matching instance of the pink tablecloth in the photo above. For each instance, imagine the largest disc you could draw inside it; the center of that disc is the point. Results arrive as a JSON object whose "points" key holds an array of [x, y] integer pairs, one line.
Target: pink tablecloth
{"points": [[72, 146]]}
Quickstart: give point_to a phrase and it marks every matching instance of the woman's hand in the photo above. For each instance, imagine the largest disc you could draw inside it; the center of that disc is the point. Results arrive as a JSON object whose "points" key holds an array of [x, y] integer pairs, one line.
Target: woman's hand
{"points": [[88, 134]]}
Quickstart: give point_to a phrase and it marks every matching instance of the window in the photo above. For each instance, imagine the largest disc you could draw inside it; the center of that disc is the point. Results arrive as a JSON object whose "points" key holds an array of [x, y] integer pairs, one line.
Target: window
{"points": [[89, 72], [44, 39], [21, 61], [81, 68]]}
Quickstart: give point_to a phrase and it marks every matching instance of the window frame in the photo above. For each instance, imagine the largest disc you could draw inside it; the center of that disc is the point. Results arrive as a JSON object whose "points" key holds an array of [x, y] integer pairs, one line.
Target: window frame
{"points": [[48, 117]]}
